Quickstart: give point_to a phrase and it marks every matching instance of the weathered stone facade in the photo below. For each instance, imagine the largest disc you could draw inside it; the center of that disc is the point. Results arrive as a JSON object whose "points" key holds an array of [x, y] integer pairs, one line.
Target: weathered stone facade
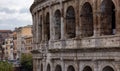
{"points": [[76, 35]]}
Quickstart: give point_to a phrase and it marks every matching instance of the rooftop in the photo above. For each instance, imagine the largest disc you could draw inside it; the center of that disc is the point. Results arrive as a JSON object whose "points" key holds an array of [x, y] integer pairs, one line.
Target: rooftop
{"points": [[5, 31]]}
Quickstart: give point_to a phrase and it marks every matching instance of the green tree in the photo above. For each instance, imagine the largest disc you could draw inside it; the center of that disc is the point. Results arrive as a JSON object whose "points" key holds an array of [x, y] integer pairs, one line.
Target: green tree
{"points": [[5, 66], [26, 62]]}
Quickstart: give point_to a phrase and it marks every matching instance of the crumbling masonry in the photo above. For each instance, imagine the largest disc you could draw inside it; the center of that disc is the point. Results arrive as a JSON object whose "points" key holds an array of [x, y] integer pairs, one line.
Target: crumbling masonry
{"points": [[76, 35]]}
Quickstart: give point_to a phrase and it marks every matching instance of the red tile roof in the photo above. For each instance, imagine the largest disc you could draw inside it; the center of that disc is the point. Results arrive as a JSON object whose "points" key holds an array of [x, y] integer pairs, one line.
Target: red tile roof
{"points": [[5, 31]]}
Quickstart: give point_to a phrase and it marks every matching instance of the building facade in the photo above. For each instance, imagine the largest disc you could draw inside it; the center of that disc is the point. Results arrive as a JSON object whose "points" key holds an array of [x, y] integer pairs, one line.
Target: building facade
{"points": [[3, 35], [28, 44], [8, 48], [21, 33], [76, 35], [15, 54]]}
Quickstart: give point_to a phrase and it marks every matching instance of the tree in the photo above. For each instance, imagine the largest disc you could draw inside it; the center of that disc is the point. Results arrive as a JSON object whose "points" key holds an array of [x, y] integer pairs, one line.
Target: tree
{"points": [[5, 66], [26, 62]]}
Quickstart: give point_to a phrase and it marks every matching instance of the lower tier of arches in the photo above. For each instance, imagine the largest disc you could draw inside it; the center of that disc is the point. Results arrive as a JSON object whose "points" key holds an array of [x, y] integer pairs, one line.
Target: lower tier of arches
{"points": [[60, 65]]}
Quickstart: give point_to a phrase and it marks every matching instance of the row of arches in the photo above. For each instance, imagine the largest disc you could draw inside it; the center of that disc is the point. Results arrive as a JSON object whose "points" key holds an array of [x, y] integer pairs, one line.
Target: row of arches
{"points": [[71, 68], [107, 21]]}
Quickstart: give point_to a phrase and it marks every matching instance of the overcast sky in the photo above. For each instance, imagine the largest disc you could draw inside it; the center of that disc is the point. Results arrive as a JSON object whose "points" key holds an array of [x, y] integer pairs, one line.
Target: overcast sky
{"points": [[14, 13]]}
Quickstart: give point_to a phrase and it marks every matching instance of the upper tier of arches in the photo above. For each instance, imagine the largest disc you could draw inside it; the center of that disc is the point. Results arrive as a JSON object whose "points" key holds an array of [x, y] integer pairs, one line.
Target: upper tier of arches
{"points": [[72, 21]]}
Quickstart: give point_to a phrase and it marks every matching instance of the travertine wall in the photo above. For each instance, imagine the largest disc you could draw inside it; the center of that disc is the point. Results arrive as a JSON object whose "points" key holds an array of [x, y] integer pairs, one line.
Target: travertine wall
{"points": [[76, 35]]}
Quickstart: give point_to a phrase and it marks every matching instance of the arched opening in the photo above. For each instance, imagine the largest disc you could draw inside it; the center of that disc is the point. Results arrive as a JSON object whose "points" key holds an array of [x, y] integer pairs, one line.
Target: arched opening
{"points": [[87, 68], [108, 20], [108, 68], [87, 20], [70, 68], [48, 67], [47, 27], [40, 29], [70, 22], [58, 68], [41, 67], [57, 24]]}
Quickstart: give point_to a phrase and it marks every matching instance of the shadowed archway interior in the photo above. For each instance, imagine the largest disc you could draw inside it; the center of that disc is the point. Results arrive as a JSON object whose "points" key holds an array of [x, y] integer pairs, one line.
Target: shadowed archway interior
{"points": [[41, 67], [71, 68], [108, 19], [57, 17], [47, 27], [108, 68], [70, 22], [58, 68], [87, 20], [48, 67], [87, 68]]}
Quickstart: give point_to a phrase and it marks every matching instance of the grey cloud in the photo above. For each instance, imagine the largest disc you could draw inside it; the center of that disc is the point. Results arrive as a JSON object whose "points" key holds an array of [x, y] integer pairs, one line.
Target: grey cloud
{"points": [[12, 23], [7, 10], [24, 10]]}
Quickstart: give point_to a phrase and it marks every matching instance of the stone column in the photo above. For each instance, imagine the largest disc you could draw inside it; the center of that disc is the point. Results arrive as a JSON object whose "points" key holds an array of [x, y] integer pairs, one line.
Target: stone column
{"points": [[33, 64], [35, 27], [51, 24], [52, 67], [33, 30], [37, 30], [118, 20], [97, 23], [77, 16], [37, 22], [96, 19], [96, 66], [80, 22], [43, 33], [62, 21], [63, 65]]}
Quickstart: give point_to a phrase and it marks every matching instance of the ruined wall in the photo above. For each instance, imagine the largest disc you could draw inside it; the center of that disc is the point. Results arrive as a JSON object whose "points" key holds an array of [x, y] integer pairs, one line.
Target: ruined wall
{"points": [[76, 35]]}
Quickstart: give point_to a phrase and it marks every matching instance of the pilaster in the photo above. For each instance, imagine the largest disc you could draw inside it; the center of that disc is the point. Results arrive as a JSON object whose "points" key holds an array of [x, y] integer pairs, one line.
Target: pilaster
{"points": [[77, 14], [37, 27], [43, 25], [51, 24], [118, 20], [96, 19], [62, 21]]}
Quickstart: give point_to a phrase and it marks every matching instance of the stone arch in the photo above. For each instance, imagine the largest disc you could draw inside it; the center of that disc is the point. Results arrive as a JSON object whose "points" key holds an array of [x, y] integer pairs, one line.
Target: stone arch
{"points": [[86, 16], [58, 68], [108, 18], [57, 24], [87, 68], [70, 22], [48, 67], [108, 68], [47, 26], [71, 68]]}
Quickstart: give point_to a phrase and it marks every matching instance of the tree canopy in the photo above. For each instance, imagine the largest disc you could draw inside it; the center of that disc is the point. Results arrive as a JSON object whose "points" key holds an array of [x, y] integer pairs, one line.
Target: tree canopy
{"points": [[26, 62], [5, 66]]}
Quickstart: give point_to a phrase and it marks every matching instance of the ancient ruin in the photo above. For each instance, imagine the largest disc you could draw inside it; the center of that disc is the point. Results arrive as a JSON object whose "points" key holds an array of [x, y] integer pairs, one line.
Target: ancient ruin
{"points": [[76, 35]]}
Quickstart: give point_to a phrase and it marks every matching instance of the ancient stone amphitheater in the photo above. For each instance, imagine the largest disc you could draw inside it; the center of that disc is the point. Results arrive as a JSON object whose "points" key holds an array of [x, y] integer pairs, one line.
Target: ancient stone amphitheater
{"points": [[76, 35]]}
